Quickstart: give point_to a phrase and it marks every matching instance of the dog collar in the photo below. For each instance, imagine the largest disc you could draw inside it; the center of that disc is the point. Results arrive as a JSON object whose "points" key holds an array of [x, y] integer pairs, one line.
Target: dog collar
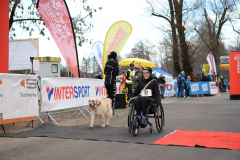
{"points": [[99, 103]]}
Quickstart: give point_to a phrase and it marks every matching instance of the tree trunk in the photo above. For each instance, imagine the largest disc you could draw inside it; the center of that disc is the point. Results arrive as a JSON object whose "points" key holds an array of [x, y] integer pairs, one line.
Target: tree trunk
{"points": [[187, 67]]}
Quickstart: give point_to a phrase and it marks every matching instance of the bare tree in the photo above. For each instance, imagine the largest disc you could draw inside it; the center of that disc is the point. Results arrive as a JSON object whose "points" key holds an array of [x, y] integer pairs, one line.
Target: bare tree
{"points": [[216, 14], [167, 13], [28, 18]]}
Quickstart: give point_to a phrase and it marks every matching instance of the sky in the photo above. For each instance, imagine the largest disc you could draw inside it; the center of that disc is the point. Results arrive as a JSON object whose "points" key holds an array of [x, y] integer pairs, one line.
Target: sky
{"points": [[133, 11]]}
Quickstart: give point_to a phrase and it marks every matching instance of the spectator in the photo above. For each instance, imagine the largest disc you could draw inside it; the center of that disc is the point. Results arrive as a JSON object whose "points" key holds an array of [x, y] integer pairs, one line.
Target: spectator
{"points": [[137, 77], [210, 77], [124, 76], [188, 86], [162, 85], [225, 84], [129, 81], [221, 84], [180, 84]]}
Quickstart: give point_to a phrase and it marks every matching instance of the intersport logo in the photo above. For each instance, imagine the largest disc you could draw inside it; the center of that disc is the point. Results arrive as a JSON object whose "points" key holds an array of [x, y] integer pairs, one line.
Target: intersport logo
{"points": [[67, 92], [100, 90]]}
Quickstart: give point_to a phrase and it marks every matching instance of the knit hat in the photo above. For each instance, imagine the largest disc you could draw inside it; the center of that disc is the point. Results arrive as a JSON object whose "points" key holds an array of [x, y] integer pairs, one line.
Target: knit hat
{"points": [[149, 69], [113, 55], [131, 65]]}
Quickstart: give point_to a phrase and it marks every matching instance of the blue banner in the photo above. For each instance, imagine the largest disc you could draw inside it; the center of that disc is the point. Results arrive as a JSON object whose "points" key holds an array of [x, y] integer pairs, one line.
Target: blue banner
{"points": [[196, 88]]}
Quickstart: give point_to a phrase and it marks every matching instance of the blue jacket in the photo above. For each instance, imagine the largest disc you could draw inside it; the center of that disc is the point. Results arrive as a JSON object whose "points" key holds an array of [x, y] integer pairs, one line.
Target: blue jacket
{"points": [[211, 79], [226, 82], [182, 78], [188, 84]]}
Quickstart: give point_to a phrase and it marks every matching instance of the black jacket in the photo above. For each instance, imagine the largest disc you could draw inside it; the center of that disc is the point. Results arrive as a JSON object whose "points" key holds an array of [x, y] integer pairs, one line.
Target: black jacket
{"points": [[153, 86], [161, 80], [111, 71]]}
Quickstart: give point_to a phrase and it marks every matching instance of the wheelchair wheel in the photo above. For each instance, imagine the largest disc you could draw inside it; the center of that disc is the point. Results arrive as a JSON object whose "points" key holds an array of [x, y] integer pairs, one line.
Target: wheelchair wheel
{"points": [[159, 119], [135, 128], [130, 117]]}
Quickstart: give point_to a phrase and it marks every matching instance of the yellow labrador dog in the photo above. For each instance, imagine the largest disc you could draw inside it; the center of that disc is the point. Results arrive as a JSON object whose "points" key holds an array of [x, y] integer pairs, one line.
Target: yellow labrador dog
{"points": [[104, 109]]}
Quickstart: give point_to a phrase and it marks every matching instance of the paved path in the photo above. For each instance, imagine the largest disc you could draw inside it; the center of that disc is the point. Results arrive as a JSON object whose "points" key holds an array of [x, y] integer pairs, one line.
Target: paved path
{"points": [[216, 113]]}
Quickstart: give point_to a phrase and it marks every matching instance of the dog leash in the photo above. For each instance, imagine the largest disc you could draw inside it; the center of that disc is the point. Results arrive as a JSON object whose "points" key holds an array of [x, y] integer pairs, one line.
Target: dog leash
{"points": [[125, 109]]}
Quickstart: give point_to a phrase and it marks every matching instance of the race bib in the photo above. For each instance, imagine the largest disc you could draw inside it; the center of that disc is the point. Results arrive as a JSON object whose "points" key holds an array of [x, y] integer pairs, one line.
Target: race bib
{"points": [[147, 93]]}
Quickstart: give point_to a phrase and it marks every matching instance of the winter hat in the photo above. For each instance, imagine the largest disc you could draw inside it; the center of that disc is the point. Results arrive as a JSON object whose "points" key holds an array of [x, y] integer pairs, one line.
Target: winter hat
{"points": [[131, 65], [149, 69], [113, 55]]}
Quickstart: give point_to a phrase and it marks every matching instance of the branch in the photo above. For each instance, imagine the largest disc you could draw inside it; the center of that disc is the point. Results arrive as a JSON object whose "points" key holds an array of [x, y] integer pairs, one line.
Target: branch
{"points": [[202, 38], [29, 19], [159, 15]]}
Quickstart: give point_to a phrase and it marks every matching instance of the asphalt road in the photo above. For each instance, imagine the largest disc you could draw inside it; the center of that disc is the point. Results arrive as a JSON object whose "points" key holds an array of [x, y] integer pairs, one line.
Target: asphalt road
{"points": [[215, 113]]}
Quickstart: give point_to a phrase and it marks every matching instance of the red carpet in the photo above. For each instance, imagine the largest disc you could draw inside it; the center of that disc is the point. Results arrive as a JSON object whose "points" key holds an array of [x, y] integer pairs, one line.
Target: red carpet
{"points": [[203, 138]]}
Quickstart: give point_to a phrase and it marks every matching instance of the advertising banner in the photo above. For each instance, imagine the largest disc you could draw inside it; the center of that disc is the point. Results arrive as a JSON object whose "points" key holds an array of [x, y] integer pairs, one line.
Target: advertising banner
{"points": [[169, 90], [224, 67], [62, 93], [204, 87], [18, 98], [56, 16], [213, 88], [97, 49], [235, 73], [4, 38], [115, 39]]}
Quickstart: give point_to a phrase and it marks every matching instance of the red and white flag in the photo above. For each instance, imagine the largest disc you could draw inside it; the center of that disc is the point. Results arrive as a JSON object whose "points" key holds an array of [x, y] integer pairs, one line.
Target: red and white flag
{"points": [[211, 62], [56, 16]]}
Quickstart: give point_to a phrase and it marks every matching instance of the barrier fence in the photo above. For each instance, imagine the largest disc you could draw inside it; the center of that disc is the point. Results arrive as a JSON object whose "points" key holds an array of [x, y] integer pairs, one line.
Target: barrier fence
{"points": [[201, 88]]}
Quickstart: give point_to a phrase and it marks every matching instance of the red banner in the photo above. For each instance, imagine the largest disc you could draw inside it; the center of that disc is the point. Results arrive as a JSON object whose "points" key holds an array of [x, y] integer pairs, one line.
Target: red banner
{"points": [[4, 38], [56, 16], [234, 72]]}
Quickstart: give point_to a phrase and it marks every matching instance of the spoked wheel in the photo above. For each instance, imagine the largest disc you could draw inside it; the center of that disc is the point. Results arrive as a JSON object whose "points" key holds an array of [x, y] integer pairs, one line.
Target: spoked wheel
{"points": [[130, 118], [135, 128], [159, 119]]}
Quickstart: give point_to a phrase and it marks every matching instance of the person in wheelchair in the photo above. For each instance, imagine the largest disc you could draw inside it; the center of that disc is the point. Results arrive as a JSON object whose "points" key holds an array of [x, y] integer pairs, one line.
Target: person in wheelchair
{"points": [[146, 98]]}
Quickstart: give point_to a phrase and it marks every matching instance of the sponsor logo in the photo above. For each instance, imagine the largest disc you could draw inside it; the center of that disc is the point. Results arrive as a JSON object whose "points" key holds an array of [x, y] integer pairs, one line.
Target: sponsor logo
{"points": [[1, 82], [100, 90], [67, 92], [116, 40], [169, 87], [236, 57], [29, 83], [100, 54]]}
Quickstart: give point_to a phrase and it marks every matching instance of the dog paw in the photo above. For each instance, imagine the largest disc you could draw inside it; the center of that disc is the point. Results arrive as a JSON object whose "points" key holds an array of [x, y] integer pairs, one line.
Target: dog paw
{"points": [[90, 127], [103, 125]]}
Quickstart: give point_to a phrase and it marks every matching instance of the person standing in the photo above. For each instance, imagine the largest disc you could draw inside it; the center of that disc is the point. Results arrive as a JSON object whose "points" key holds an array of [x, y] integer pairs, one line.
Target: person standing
{"points": [[225, 84], [136, 78], [111, 71], [188, 86], [162, 85], [221, 84], [180, 84], [129, 81]]}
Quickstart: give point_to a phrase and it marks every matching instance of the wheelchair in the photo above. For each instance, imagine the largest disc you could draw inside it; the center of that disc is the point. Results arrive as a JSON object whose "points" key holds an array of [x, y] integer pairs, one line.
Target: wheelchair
{"points": [[153, 111]]}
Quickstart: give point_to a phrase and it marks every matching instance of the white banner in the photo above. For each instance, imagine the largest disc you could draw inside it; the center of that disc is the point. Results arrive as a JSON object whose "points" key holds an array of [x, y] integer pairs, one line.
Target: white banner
{"points": [[169, 90], [213, 88], [18, 97], [62, 93], [97, 49]]}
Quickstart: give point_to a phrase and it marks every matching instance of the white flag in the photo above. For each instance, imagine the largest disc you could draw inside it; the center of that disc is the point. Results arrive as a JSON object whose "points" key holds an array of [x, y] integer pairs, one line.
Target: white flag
{"points": [[97, 49]]}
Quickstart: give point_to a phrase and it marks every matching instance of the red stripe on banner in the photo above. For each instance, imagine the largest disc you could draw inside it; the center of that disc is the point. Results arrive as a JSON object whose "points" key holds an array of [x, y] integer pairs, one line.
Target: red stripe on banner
{"points": [[56, 16], [207, 139], [212, 64]]}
